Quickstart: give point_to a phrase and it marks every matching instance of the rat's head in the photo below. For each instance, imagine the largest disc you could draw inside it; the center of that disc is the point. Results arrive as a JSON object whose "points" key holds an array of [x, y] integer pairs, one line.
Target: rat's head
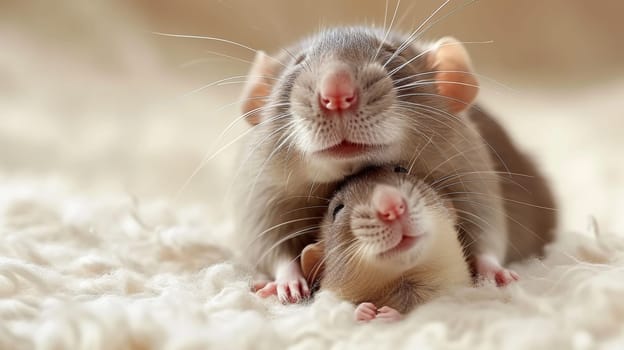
{"points": [[357, 94], [385, 219]]}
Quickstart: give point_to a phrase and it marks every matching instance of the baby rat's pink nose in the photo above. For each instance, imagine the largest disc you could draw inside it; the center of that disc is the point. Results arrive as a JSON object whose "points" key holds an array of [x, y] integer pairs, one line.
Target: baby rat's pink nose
{"points": [[389, 202], [337, 89]]}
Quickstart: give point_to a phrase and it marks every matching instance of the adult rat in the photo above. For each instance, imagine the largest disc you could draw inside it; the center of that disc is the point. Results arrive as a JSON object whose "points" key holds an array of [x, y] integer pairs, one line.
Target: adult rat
{"points": [[351, 97]]}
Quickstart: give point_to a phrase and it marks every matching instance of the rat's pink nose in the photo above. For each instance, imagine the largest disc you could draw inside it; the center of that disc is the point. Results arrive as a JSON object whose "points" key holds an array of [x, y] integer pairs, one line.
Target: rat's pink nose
{"points": [[337, 89], [389, 202]]}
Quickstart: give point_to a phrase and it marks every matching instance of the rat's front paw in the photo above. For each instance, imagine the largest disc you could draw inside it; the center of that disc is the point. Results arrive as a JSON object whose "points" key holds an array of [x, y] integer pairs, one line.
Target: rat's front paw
{"points": [[290, 286], [388, 314], [505, 276], [365, 312], [489, 267], [291, 291]]}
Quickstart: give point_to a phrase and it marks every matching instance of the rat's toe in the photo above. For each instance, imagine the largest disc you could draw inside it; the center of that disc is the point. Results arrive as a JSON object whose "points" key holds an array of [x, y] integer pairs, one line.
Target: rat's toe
{"points": [[365, 312], [503, 277], [282, 293], [489, 267], [388, 314], [295, 291]]}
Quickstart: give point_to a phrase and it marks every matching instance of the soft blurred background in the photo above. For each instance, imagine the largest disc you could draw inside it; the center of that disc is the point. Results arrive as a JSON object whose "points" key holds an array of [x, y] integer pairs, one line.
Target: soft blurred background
{"points": [[92, 100]]}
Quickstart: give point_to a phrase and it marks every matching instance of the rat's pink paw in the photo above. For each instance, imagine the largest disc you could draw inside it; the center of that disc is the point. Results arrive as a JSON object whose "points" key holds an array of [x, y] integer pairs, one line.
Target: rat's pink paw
{"points": [[489, 267], [265, 289], [503, 277], [287, 292], [290, 286], [293, 290], [388, 314], [365, 312]]}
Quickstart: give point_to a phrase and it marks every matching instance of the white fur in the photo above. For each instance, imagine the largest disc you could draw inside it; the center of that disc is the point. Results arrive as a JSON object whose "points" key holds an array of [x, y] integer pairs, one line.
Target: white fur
{"points": [[81, 273]]}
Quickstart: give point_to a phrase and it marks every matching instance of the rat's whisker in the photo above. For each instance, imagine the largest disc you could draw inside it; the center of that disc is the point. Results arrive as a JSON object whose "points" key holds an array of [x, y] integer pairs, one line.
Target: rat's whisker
{"points": [[304, 208], [283, 240], [396, 9], [474, 193], [411, 77], [454, 118], [421, 30], [417, 155], [257, 146], [218, 40], [215, 53], [266, 161], [221, 81], [208, 156], [409, 39], [288, 222]]}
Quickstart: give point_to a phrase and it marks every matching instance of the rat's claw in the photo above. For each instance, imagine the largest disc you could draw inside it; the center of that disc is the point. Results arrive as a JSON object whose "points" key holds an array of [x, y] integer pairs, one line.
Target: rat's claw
{"points": [[291, 291], [295, 291], [286, 292], [489, 267], [388, 314], [365, 312], [291, 286], [282, 293]]}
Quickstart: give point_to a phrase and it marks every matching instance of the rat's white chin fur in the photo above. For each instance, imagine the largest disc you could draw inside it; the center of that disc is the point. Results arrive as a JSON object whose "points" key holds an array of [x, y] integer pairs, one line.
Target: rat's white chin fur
{"points": [[399, 261], [324, 168], [412, 256]]}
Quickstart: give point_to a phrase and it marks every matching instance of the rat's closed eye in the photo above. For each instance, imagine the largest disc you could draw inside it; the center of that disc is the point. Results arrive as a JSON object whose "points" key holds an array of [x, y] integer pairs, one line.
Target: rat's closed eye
{"points": [[400, 169], [337, 209]]}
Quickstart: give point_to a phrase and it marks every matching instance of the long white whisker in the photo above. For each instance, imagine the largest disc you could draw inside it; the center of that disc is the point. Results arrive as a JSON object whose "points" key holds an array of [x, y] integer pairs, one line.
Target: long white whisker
{"points": [[215, 39], [408, 39], [396, 9], [207, 157]]}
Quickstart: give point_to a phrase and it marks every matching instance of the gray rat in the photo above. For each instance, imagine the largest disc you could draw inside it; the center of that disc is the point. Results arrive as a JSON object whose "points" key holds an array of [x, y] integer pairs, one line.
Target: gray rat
{"points": [[347, 98]]}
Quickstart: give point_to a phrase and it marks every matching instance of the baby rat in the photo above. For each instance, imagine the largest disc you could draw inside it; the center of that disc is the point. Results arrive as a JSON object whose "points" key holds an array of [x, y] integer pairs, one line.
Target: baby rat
{"points": [[388, 242], [348, 98]]}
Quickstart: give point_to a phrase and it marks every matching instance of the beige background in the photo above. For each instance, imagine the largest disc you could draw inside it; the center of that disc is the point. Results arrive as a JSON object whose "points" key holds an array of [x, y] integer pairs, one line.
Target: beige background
{"points": [[575, 41], [90, 97]]}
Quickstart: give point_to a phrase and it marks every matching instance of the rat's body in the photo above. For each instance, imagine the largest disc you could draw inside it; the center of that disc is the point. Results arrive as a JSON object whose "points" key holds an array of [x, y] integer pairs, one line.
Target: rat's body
{"points": [[352, 97], [388, 239]]}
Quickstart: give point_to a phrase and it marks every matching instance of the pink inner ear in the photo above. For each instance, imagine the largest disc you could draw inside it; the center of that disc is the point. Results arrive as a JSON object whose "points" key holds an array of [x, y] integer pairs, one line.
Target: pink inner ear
{"points": [[257, 88], [460, 88], [454, 77]]}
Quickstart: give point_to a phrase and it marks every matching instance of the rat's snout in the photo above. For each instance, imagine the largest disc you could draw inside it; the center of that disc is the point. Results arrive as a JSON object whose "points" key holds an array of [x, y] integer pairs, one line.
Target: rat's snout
{"points": [[338, 89], [389, 203]]}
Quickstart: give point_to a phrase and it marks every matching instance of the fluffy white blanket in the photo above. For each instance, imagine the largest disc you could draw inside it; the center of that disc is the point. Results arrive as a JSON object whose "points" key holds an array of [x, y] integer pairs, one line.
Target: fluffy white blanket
{"points": [[85, 272]]}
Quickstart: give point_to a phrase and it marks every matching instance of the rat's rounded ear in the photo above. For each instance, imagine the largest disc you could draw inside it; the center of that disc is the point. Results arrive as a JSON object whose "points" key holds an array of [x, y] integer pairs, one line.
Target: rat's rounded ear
{"points": [[454, 77], [258, 86], [312, 262]]}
